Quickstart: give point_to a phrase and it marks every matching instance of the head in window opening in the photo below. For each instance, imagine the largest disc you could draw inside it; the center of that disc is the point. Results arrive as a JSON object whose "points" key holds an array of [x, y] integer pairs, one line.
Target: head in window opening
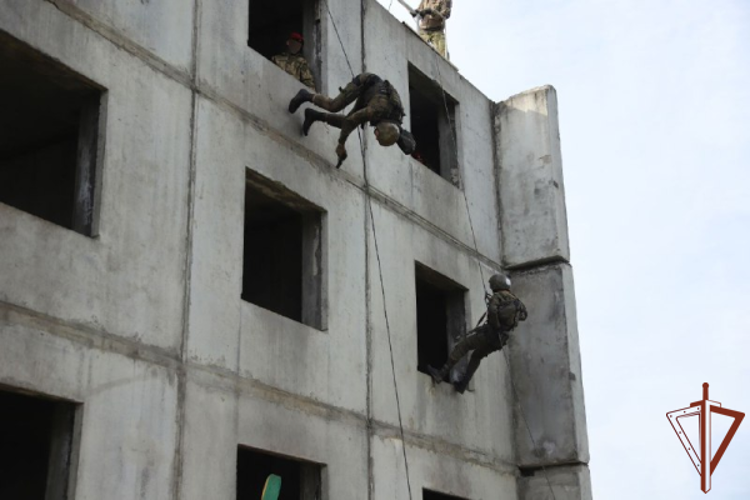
{"points": [[387, 132], [294, 43]]}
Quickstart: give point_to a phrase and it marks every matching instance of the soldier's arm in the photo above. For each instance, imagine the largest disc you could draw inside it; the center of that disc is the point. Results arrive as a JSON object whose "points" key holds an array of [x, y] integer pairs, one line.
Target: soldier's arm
{"points": [[306, 75], [492, 311], [353, 121], [444, 8]]}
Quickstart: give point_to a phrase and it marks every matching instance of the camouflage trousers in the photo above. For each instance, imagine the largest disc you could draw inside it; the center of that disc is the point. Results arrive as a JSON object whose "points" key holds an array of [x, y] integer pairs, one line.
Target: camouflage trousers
{"points": [[436, 39], [347, 95], [483, 341]]}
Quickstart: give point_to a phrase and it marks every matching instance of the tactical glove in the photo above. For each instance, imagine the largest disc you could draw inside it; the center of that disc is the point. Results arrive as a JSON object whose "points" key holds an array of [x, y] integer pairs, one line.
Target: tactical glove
{"points": [[341, 153]]}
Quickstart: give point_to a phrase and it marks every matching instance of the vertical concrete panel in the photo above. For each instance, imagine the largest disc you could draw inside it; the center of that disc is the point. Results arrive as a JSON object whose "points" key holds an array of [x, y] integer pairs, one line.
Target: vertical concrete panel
{"points": [[209, 450], [532, 195], [218, 228], [546, 370], [129, 431]]}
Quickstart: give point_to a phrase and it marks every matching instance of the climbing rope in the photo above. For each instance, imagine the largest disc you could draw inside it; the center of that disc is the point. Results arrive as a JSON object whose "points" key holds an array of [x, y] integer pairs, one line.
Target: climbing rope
{"points": [[380, 266], [476, 249], [380, 269]]}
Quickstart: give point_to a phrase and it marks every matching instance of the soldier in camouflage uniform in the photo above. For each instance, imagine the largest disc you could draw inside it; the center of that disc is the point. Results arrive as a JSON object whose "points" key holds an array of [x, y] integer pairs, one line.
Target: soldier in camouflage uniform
{"points": [[377, 102], [504, 311], [293, 62], [433, 14]]}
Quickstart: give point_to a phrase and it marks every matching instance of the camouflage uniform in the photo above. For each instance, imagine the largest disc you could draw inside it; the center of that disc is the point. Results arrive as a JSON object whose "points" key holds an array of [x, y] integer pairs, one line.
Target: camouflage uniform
{"points": [[486, 339], [432, 26], [296, 65], [376, 100]]}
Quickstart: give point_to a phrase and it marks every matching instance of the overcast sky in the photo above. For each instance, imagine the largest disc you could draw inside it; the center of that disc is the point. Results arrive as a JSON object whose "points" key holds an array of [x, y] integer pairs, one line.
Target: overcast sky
{"points": [[654, 98]]}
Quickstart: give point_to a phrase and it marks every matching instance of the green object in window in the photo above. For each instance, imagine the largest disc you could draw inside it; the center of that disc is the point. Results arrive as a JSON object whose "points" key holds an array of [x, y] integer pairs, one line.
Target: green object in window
{"points": [[272, 488]]}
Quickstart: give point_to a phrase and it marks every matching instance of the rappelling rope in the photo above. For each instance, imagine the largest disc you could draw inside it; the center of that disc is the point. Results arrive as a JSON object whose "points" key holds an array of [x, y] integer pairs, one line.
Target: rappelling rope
{"points": [[380, 268], [476, 249]]}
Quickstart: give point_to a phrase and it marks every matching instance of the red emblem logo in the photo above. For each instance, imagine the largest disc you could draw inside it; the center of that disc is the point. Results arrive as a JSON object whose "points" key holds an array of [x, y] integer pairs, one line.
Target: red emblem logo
{"points": [[704, 464]]}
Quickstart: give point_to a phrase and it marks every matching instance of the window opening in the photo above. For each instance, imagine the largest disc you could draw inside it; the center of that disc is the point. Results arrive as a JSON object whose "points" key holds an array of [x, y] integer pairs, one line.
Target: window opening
{"points": [[432, 126], [49, 148], [434, 495], [283, 252], [441, 317], [272, 21], [36, 447], [300, 480]]}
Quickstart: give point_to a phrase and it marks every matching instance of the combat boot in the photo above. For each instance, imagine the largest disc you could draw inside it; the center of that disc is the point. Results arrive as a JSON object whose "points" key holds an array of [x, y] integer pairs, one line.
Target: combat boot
{"points": [[438, 376], [302, 96], [311, 116], [461, 385]]}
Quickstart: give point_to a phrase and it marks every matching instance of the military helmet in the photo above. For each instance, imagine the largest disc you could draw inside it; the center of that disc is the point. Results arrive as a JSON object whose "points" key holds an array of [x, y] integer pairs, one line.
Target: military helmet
{"points": [[387, 133], [499, 282]]}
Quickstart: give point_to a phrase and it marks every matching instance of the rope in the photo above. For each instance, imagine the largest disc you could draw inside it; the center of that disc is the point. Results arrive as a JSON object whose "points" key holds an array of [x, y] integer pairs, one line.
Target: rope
{"points": [[476, 249], [454, 139], [380, 271]]}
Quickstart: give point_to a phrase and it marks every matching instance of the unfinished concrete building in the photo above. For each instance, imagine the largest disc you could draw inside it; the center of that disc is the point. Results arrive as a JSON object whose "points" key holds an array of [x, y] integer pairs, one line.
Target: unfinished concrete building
{"points": [[191, 294]]}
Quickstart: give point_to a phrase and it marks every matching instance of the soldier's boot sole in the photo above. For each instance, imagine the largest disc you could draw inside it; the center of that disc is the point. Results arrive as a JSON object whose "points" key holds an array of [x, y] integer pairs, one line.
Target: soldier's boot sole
{"points": [[437, 375], [302, 97], [311, 116]]}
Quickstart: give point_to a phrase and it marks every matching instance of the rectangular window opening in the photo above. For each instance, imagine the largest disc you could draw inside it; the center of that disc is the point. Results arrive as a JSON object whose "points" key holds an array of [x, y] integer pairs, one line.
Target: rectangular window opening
{"points": [[433, 123], [37, 456], [49, 148], [272, 21], [441, 317], [283, 268], [434, 495], [300, 480]]}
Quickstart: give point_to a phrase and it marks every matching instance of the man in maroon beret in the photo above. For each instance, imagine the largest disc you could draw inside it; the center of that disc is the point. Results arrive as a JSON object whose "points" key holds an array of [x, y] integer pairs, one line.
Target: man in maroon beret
{"points": [[293, 62]]}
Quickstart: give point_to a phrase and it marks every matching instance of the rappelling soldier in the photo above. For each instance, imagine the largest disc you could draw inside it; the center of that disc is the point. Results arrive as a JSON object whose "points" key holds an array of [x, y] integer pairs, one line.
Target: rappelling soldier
{"points": [[293, 62], [504, 311], [377, 103], [432, 15]]}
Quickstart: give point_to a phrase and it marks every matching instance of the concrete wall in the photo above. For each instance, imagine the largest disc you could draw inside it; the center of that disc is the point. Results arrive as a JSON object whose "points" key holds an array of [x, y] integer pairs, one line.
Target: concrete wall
{"points": [[143, 324]]}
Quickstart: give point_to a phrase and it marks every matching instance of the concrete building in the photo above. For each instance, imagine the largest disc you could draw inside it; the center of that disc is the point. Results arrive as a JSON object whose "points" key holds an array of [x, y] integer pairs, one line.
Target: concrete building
{"points": [[191, 294]]}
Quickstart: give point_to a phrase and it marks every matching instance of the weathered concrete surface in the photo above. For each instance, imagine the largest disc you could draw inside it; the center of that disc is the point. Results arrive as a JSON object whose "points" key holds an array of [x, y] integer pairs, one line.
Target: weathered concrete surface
{"points": [[255, 418], [427, 410], [567, 483], [546, 366], [436, 471], [129, 280], [144, 324], [128, 436], [532, 193], [232, 72], [404, 179], [135, 22]]}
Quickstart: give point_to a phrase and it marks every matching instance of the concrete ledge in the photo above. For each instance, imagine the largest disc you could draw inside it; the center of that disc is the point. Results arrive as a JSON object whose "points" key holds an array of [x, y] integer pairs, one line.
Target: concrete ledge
{"points": [[546, 368], [531, 190]]}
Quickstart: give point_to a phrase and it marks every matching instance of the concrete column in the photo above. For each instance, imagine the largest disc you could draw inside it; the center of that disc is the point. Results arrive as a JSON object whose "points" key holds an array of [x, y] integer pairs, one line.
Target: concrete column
{"points": [[531, 191], [550, 422]]}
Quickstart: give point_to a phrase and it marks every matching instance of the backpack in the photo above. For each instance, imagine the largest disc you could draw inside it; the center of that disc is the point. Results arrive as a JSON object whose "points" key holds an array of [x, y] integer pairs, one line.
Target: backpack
{"points": [[510, 312]]}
